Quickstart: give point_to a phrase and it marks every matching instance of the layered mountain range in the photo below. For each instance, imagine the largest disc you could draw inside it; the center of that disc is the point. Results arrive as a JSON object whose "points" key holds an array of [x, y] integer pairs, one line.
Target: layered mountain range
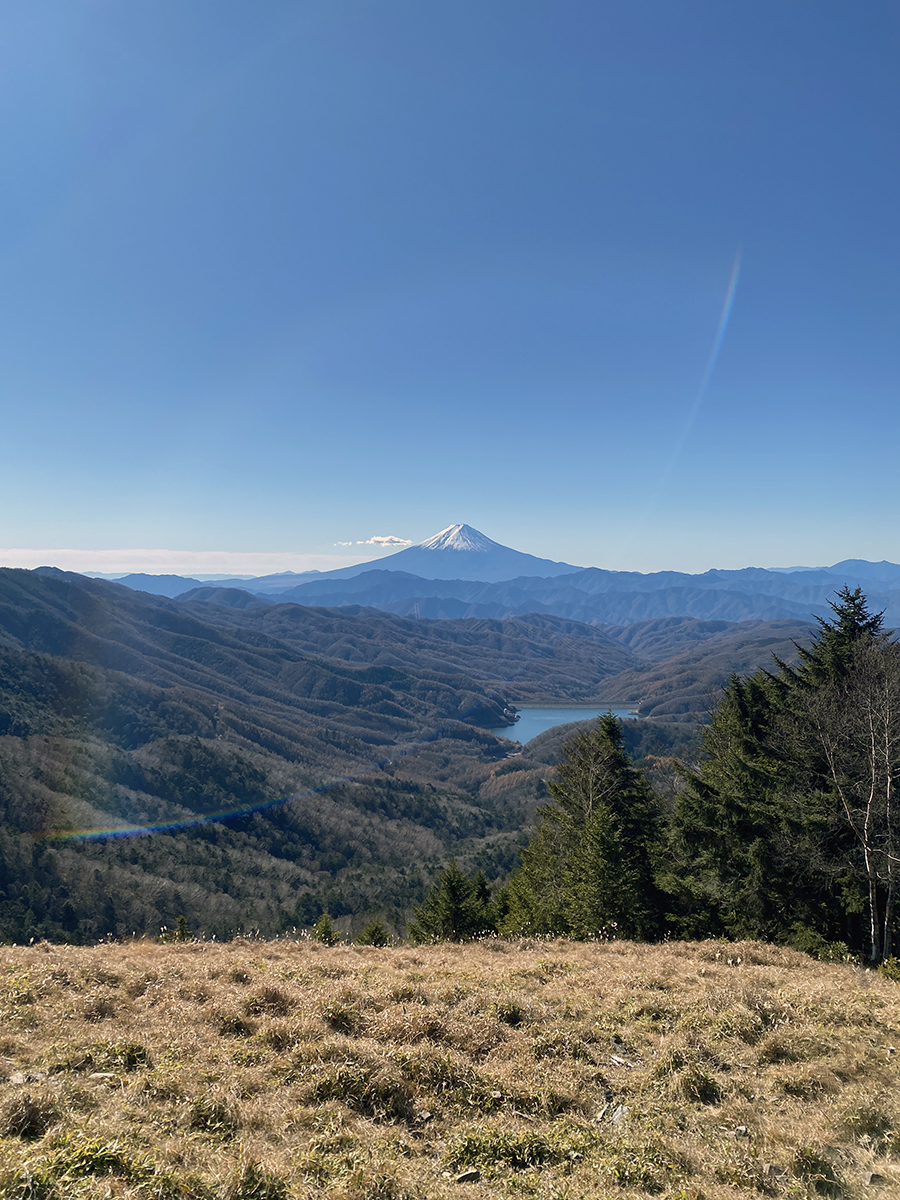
{"points": [[461, 573], [250, 763], [301, 743]]}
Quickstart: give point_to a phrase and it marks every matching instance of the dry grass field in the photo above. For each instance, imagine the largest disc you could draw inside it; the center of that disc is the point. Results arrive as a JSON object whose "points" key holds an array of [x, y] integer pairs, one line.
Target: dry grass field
{"points": [[257, 1070]]}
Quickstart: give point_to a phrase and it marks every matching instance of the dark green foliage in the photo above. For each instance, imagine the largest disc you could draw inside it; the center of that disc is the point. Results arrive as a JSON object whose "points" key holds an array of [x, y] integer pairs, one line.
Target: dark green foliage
{"points": [[212, 1116], [831, 655], [784, 831], [371, 1090], [324, 931], [456, 909], [731, 824], [374, 933], [181, 932], [589, 870]]}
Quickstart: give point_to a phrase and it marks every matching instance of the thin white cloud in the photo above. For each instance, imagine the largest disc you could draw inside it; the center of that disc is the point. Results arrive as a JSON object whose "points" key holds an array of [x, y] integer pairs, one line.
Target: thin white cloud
{"points": [[177, 562], [343, 543], [387, 540]]}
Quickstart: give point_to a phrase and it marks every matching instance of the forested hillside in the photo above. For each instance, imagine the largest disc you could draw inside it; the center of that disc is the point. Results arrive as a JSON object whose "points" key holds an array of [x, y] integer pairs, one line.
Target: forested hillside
{"points": [[293, 760], [534, 658], [121, 709]]}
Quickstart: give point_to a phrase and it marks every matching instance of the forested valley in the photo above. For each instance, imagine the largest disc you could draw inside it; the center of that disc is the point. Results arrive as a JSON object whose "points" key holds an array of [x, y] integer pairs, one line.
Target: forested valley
{"points": [[255, 769]]}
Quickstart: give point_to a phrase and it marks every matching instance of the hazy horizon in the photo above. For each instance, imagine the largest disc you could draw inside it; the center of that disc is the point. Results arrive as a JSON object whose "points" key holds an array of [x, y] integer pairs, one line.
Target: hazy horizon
{"points": [[165, 562]]}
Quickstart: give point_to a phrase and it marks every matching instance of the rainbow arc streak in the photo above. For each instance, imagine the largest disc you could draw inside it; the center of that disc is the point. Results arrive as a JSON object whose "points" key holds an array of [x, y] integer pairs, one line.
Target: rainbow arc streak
{"points": [[243, 810]]}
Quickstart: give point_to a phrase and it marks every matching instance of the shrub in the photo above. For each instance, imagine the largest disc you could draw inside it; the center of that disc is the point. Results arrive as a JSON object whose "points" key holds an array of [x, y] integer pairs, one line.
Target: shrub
{"points": [[687, 1077], [698, 1085], [233, 1025], [744, 1172], [80, 1157], [803, 1087], [508, 1012], [325, 932], [99, 1009], [650, 1166], [810, 1166], [407, 993], [181, 932], [103, 1056], [281, 1037], [518, 1149], [30, 1183], [780, 1049], [501, 1147], [869, 1124], [341, 1015], [741, 1024], [809, 941], [560, 1044], [374, 934]]}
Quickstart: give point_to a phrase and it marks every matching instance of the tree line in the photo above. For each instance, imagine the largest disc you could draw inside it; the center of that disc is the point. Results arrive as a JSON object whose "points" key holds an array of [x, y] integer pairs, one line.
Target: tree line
{"points": [[787, 828]]}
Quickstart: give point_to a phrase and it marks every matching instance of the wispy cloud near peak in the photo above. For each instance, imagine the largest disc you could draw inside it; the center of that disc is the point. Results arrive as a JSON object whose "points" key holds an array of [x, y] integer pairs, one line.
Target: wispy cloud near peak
{"points": [[386, 540]]}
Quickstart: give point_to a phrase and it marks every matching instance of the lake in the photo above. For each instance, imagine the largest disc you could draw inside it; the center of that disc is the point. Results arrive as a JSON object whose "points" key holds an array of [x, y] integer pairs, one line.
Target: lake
{"points": [[533, 721]]}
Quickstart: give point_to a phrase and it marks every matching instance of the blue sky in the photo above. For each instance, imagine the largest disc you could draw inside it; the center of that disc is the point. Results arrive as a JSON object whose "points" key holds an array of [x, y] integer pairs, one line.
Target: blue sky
{"points": [[284, 275]]}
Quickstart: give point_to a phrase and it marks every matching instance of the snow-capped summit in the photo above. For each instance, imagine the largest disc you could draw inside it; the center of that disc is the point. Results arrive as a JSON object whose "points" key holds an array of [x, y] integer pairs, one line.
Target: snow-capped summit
{"points": [[461, 552], [459, 537]]}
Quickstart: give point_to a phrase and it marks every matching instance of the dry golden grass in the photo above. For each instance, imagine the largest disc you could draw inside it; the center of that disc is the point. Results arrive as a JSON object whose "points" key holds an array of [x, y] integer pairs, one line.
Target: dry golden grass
{"points": [[259, 1070]]}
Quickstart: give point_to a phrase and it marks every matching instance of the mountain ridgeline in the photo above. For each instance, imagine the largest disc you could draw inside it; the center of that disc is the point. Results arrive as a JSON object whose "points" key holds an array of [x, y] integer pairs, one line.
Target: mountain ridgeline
{"points": [[253, 765], [461, 573], [246, 761]]}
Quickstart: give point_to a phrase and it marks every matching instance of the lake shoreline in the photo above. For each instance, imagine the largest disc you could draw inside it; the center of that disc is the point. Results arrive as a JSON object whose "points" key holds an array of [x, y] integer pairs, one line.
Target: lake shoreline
{"points": [[537, 719]]}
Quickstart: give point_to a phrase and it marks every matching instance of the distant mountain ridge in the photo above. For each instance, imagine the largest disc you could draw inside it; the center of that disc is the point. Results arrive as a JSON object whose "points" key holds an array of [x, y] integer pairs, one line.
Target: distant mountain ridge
{"points": [[457, 552], [460, 572]]}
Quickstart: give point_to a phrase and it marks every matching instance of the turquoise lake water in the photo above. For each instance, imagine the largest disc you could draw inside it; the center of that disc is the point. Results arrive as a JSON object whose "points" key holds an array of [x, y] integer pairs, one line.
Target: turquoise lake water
{"points": [[533, 721]]}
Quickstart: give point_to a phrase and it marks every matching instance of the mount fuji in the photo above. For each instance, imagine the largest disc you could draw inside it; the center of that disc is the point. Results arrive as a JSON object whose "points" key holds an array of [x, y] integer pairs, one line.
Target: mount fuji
{"points": [[457, 552], [461, 552]]}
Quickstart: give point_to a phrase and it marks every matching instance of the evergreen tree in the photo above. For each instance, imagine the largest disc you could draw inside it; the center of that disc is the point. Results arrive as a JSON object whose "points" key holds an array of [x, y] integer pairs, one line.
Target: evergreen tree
{"points": [[589, 869], [830, 657], [726, 872], [849, 728], [771, 836], [374, 933], [456, 909], [324, 931]]}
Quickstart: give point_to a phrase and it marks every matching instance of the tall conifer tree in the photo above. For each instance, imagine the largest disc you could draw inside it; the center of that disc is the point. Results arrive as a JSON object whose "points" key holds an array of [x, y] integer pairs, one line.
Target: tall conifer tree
{"points": [[589, 869]]}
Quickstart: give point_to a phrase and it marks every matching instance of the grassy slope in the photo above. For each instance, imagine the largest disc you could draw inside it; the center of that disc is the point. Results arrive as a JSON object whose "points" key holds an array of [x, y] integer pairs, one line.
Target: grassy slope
{"points": [[280, 1069]]}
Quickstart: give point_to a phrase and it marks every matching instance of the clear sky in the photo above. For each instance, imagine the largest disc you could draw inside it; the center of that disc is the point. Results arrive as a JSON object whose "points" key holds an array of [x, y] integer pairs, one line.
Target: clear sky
{"points": [[616, 283]]}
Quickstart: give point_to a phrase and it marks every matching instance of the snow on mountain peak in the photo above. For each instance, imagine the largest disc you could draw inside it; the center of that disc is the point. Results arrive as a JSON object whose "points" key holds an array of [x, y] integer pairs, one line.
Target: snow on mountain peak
{"points": [[459, 537]]}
